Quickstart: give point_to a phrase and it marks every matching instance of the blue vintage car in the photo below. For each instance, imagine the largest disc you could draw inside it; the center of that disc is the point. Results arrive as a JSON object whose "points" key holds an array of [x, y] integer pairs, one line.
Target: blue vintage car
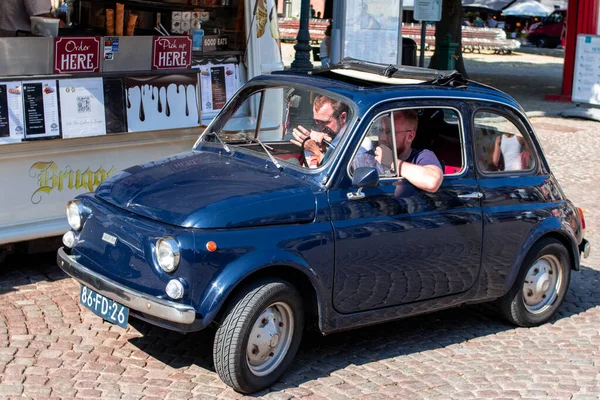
{"points": [[292, 211]]}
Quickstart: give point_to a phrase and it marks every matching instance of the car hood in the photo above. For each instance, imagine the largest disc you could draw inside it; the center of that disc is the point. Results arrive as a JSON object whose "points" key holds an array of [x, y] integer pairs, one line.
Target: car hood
{"points": [[207, 190]]}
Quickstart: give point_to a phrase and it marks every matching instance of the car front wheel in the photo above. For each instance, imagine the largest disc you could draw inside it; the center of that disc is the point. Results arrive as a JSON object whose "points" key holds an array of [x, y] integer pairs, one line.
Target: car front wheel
{"points": [[540, 286], [259, 335]]}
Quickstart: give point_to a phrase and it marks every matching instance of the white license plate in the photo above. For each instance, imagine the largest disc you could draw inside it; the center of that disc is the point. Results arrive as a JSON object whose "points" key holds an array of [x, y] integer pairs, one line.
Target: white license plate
{"points": [[104, 307]]}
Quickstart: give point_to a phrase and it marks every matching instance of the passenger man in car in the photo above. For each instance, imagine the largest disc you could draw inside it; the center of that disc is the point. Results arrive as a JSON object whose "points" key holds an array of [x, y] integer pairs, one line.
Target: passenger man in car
{"points": [[331, 117], [420, 167]]}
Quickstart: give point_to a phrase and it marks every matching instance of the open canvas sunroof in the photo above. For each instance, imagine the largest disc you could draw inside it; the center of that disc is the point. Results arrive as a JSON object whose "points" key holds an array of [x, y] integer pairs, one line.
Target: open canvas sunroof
{"points": [[367, 74]]}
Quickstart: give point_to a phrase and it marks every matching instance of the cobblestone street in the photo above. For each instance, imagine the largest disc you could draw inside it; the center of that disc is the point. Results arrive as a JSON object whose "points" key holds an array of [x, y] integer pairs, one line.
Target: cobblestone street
{"points": [[51, 347]]}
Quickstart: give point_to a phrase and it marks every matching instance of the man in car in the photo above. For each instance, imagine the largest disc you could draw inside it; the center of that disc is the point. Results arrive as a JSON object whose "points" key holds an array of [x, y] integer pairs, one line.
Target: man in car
{"points": [[419, 167], [331, 117]]}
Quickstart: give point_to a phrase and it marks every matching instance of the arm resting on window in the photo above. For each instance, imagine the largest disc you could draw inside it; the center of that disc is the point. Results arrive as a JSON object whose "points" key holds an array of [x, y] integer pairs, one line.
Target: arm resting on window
{"points": [[424, 177]]}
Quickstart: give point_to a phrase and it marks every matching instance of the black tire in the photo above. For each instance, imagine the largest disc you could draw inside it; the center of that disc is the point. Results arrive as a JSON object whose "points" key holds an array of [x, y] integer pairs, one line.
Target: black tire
{"points": [[232, 337], [513, 304], [541, 42]]}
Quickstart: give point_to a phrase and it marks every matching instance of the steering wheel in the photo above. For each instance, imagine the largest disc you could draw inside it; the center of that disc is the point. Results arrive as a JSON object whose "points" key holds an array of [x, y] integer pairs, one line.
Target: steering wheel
{"points": [[303, 157]]}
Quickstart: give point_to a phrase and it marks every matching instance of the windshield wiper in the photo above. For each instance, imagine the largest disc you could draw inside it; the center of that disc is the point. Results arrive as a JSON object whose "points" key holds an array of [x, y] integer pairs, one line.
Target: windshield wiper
{"points": [[266, 148], [215, 134]]}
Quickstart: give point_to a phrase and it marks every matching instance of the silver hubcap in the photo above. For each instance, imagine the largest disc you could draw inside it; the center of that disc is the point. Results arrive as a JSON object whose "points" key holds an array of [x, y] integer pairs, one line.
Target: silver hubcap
{"points": [[542, 283], [270, 339]]}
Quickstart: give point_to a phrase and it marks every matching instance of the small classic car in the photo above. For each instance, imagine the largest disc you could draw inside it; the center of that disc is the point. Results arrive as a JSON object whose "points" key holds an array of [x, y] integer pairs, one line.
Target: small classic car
{"points": [[266, 228]]}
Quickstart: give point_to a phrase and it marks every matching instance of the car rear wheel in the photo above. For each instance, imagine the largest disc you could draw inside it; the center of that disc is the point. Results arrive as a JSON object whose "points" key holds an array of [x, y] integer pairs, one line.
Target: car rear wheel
{"points": [[259, 335], [540, 286]]}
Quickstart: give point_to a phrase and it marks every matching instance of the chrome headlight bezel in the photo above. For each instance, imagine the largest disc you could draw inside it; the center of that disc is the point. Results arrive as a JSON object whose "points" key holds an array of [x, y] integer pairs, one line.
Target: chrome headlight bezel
{"points": [[167, 254], [75, 214]]}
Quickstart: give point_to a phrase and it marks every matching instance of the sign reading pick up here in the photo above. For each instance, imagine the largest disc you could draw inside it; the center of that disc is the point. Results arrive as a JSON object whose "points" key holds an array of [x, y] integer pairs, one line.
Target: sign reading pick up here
{"points": [[171, 52], [76, 55]]}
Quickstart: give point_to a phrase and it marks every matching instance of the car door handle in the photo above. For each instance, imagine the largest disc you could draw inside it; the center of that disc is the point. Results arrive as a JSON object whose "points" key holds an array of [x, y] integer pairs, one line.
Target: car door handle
{"points": [[472, 195]]}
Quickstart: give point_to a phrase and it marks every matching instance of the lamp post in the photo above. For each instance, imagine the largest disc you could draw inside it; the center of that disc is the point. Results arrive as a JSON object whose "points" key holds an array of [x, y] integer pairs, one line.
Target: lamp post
{"points": [[302, 57]]}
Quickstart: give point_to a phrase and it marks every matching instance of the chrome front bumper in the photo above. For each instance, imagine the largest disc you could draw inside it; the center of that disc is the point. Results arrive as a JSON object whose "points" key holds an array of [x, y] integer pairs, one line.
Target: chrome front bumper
{"points": [[141, 302], [585, 248]]}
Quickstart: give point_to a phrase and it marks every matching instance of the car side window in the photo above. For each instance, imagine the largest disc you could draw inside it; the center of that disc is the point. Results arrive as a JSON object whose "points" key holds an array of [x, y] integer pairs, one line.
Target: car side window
{"points": [[438, 130], [376, 148], [500, 146]]}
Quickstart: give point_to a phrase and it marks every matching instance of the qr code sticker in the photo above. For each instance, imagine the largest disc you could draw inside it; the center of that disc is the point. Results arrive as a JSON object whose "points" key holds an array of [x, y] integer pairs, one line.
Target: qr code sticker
{"points": [[83, 104]]}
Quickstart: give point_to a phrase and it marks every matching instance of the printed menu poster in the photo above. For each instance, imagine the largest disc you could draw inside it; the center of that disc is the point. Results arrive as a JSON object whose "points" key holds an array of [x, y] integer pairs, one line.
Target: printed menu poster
{"points": [[218, 83], [114, 108], [41, 109], [368, 22], [586, 79], [161, 102], [82, 107], [11, 112]]}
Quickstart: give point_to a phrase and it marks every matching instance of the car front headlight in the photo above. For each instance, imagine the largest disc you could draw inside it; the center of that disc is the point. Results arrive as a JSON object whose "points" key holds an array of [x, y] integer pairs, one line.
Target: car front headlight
{"points": [[167, 254], [75, 214]]}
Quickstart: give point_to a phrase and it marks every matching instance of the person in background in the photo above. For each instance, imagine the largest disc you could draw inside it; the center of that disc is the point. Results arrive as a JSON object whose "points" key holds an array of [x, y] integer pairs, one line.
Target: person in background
{"points": [[15, 14], [478, 23], [318, 14], [312, 11], [491, 22], [510, 147], [325, 45]]}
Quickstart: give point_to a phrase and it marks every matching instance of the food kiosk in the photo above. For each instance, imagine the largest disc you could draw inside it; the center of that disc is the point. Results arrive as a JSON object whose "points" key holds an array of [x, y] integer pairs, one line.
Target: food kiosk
{"points": [[106, 94]]}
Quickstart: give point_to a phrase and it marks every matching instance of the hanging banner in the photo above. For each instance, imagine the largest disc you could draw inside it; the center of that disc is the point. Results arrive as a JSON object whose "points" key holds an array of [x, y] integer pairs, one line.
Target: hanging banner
{"points": [[169, 52], [76, 55]]}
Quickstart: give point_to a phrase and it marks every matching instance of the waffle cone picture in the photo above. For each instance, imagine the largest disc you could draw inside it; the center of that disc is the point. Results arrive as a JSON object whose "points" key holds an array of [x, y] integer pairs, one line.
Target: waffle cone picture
{"points": [[110, 22], [119, 19], [132, 19]]}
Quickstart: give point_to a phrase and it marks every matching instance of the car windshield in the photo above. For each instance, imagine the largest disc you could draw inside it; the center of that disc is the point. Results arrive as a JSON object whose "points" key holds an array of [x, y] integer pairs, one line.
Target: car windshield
{"points": [[294, 125]]}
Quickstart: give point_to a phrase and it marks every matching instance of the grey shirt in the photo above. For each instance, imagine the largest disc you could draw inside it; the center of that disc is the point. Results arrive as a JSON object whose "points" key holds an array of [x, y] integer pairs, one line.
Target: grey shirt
{"points": [[15, 13]]}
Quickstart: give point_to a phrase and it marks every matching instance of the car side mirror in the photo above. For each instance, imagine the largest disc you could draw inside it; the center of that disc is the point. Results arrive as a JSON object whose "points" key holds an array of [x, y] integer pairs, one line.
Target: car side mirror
{"points": [[363, 177]]}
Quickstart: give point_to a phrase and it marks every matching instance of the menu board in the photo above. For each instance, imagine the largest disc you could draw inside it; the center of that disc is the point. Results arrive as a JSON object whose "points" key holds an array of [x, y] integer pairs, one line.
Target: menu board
{"points": [[114, 108], [218, 83], [41, 109], [586, 80], [371, 30], [82, 107], [11, 112]]}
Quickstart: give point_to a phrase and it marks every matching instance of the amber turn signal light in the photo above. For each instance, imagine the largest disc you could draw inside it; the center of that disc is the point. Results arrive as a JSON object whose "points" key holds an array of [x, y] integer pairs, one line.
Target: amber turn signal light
{"points": [[582, 218], [211, 246]]}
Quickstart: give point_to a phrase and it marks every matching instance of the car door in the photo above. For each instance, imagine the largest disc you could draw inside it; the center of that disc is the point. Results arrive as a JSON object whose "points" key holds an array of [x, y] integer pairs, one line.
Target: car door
{"points": [[399, 245], [518, 192]]}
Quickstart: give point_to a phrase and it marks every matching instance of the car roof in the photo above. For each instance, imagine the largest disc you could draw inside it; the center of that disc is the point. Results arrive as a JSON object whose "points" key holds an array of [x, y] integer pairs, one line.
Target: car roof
{"points": [[367, 84]]}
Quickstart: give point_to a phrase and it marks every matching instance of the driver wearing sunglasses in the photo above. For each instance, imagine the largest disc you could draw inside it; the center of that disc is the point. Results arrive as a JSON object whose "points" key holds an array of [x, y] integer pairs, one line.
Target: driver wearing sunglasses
{"points": [[330, 117]]}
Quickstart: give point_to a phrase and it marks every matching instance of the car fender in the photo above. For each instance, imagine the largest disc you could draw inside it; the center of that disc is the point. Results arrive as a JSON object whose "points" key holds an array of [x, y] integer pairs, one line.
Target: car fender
{"points": [[549, 226], [229, 278]]}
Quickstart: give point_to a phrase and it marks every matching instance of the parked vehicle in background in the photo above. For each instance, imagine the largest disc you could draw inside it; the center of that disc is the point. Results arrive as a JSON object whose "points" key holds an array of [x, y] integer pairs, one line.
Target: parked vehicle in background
{"points": [[240, 235], [547, 33]]}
